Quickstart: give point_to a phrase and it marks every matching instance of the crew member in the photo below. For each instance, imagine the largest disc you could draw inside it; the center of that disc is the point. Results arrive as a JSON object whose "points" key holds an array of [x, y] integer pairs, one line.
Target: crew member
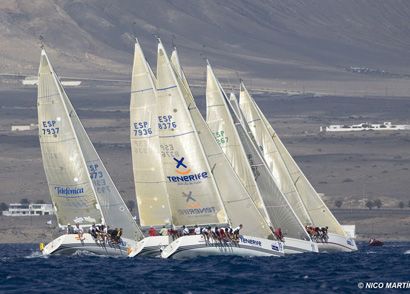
{"points": [[152, 232], [197, 230], [236, 231], [278, 234], [185, 231], [78, 230], [163, 231]]}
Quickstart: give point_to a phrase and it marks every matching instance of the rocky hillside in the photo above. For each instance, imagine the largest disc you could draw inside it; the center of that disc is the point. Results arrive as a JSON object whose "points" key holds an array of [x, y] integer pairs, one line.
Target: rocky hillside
{"points": [[293, 39]]}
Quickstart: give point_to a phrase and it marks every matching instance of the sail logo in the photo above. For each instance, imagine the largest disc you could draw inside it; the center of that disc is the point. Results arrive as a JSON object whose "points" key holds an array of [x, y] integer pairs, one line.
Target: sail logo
{"points": [[194, 208], [180, 163], [67, 192], [188, 196], [197, 211], [244, 240], [277, 247], [185, 175]]}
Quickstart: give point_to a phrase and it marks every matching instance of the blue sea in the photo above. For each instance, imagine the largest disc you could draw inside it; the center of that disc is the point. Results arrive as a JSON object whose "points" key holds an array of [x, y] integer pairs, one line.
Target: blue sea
{"points": [[23, 270]]}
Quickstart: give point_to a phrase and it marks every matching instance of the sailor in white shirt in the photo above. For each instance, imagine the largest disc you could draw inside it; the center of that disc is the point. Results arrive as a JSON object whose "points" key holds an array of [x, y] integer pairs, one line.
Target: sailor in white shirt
{"points": [[237, 229], [185, 231], [197, 230], [78, 230]]}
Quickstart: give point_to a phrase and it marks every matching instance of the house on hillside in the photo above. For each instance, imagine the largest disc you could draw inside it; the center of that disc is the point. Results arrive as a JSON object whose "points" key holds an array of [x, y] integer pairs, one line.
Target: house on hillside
{"points": [[18, 209]]}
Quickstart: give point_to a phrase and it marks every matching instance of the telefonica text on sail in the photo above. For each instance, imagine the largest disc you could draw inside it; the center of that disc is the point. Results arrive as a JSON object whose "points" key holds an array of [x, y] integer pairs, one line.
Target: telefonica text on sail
{"points": [[69, 192]]}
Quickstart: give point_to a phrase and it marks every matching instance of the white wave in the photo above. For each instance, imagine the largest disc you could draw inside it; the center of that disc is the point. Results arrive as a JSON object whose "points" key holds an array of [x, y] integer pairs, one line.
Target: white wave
{"points": [[36, 254]]}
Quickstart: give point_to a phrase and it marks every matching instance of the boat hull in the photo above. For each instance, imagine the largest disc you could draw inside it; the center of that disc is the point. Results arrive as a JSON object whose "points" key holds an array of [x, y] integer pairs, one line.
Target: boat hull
{"points": [[150, 246], [71, 243], [337, 243], [196, 245], [294, 246]]}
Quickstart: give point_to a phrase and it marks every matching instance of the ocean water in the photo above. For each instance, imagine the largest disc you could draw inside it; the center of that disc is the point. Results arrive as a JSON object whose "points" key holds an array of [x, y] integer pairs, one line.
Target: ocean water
{"points": [[23, 270]]}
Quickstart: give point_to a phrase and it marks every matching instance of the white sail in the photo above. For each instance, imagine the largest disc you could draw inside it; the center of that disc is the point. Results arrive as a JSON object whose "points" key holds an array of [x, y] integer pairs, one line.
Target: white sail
{"points": [[247, 161], [67, 131], [236, 199], [149, 179], [193, 195], [71, 189], [235, 105], [304, 199], [114, 210]]}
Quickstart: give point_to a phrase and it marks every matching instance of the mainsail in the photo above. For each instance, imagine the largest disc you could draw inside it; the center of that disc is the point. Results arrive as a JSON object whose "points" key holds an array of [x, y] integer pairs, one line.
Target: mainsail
{"points": [[247, 161], [293, 183], [71, 188], [236, 199], [70, 160], [149, 179], [193, 194]]}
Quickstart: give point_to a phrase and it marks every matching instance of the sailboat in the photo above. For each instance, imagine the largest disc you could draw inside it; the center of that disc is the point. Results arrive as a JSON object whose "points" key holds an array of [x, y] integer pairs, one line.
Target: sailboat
{"points": [[236, 199], [81, 189], [232, 136], [150, 186], [305, 201], [195, 197]]}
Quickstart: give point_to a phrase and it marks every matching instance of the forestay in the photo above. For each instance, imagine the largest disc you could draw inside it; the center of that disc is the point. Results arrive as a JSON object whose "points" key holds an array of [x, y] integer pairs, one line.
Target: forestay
{"points": [[194, 197], [71, 189], [238, 204], [242, 152], [149, 179], [307, 203]]}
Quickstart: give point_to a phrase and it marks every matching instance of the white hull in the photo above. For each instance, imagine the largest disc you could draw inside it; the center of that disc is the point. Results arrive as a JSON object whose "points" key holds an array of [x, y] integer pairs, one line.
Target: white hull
{"points": [[337, 243], [293, 246], [195, 245], [69, 244], [150, 246]]}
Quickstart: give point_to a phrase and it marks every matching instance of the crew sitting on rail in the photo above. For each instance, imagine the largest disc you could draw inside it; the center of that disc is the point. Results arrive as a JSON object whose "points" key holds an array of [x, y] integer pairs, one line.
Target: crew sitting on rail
{"points": [[93, 231], [173, 233], [278, 234], [163, 231], [205, 232], [78, 230], [197, 230], [70, 229], [185, 231], [318, 233], [236, 232], [117, 237], [223, 235], [152, 232], [323, 233]]}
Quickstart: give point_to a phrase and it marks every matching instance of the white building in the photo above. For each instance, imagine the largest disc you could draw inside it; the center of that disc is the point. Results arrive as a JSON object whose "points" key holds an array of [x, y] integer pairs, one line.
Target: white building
{"points": [[18, 209], [19, 128], [385, 126]]}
